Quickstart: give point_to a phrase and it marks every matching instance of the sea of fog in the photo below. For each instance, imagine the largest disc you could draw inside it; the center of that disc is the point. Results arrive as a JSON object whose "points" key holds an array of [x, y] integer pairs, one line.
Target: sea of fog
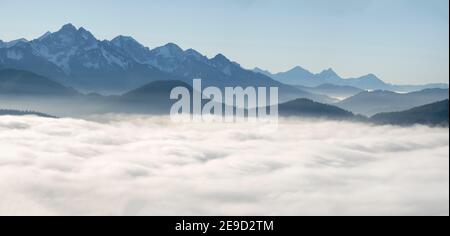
{"points": [[135, 165]]}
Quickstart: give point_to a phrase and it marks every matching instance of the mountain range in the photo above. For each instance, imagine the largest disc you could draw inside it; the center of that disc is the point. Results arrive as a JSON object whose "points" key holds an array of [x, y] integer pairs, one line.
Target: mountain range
{"points": [[335, 91], [71, 73], [75, 58], [372, 102], [299, 76]]}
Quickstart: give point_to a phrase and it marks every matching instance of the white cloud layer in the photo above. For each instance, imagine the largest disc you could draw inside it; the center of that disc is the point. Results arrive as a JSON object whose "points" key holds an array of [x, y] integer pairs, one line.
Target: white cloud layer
{"points": [[149, 166]]}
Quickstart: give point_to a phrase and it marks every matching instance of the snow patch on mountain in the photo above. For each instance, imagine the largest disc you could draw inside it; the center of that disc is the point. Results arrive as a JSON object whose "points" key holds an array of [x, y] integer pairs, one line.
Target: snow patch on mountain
{"points": [[112, 59], [61, 58], [14, 55]]}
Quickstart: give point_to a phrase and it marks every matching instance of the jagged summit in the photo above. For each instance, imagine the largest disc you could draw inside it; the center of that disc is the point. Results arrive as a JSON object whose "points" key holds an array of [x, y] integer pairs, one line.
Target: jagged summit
{"points": [[220, 58], [68, 28], [127, 42], [328, 73], [298, 68], [122, 39], [168, 50]]}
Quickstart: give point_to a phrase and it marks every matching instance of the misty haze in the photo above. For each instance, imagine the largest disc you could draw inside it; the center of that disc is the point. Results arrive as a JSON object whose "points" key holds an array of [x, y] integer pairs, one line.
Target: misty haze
{"points": [[141, 165]]}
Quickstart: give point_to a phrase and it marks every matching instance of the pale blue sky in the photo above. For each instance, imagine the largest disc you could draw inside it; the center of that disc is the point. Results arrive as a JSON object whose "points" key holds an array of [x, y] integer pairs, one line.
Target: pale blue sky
{"points": [[401, 41]]}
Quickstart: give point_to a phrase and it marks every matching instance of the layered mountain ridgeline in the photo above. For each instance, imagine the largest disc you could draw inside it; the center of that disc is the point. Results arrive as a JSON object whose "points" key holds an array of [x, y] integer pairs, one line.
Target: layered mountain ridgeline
{"points": [[5, 112], [153, 98], [299, 76], [24, 90], [311, 109], [75, 58], [34, 92], [28, 91], [371, 103], [46, 74], [334, 91], [436, 114], [147, 100], [18, 82]]}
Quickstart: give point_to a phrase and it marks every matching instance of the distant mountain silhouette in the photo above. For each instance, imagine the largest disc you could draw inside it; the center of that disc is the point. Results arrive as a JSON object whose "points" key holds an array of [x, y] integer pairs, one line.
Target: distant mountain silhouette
{"points": [[23, 113], [157, 89], [370, 103], [24, 90], [18, 82], [431, 114], [264, 72], [290, 77], [27, 90], [299, 76], [308, 108], [153, 98], [331, 90]]}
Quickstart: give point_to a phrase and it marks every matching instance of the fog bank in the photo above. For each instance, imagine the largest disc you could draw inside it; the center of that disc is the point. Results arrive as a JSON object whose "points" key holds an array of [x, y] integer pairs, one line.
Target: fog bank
{"points": [[149, 166]]}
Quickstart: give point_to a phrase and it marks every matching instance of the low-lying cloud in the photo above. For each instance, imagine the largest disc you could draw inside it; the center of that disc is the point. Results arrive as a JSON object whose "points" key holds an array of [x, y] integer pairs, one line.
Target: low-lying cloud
{"points": [[149, 166]]}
